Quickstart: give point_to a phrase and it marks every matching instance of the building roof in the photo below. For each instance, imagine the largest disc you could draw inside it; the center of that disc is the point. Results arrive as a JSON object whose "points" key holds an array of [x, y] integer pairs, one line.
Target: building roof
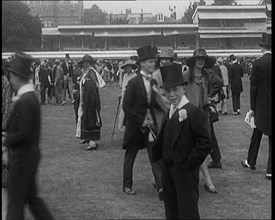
{"points": [[122, 30], [235, 11], [232, 15], [154, 20]]}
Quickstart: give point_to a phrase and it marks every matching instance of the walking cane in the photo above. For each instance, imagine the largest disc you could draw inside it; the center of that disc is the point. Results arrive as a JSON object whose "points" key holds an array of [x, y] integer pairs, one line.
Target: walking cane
{"points": [[119, 98]]}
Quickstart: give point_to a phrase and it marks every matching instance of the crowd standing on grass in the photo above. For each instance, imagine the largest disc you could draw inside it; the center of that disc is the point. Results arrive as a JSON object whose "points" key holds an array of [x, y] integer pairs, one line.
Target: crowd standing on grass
{"points": [[167, 106]]}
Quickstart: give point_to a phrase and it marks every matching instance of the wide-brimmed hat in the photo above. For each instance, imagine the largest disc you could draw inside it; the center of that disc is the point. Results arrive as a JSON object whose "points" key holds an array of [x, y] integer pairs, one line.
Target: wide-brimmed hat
{"points": [[145, 53], [21, 65], [233, 58], [131, 63], [220, 60], [87, 58], [266, 40], [199, 53], [134, 57], [167, 52], [172, 76]]}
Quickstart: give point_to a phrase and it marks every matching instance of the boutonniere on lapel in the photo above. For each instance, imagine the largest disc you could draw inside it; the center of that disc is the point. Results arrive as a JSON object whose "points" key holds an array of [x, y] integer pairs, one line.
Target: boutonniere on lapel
{"points": [[182, 115]]}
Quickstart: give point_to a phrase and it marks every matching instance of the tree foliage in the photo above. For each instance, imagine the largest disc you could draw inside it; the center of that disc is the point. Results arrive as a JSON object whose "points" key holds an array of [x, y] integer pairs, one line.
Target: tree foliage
{"points": [[224, 2], [94, 15], [20, 30], [187, 17]]}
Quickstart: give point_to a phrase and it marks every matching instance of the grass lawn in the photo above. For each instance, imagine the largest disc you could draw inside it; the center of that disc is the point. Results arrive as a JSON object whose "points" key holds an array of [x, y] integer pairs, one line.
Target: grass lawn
{"points": [[82, 185]]}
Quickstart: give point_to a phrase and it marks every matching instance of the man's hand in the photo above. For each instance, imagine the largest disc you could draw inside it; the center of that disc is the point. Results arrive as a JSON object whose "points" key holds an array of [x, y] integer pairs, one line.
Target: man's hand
{"points": [[249, 115]]}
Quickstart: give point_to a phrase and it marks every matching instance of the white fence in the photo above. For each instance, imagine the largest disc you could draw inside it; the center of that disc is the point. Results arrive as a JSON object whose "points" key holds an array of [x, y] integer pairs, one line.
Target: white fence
{"points": [[124, 54]]}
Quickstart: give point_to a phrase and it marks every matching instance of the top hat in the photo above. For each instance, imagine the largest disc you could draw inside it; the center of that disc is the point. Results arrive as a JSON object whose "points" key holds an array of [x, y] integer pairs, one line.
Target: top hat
{"points": [[167, 53], [67, 56], [155, 50], [21, 65], [172, 76], [131, 63], [86, 58], [145, 53], [199, 53], [266, 40]]}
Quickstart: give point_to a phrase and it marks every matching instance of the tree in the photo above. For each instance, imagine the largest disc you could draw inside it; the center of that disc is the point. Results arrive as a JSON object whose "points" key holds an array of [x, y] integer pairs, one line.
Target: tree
{"points": [[20, 30], [94, 15], [224, 2], [187, 17]]}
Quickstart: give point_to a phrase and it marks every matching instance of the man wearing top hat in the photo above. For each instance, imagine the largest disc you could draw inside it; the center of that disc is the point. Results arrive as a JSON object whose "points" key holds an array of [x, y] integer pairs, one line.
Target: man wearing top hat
{"points": [[22, 139], [182, 144], [68, 72], [140, 128], [260, 105]]}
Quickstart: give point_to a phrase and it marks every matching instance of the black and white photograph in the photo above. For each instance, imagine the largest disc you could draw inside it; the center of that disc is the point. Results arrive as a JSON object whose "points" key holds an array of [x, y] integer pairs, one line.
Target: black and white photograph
{"points": [[136, 109]]}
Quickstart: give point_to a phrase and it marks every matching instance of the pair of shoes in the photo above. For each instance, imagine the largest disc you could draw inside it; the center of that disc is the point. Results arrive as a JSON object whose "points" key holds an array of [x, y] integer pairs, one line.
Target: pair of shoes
{"points": [[91, 147], [211, 188], [224, 113], [84, 142], [215, 164], [268, 176], [238, 111], [246, 165], [235, 113], [161, 196], [129, 191], [63, 103]]}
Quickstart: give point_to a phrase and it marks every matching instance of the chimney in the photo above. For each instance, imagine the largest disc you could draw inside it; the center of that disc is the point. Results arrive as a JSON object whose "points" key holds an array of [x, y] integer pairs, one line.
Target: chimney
{"points": [[141, 16], [175, 14]]}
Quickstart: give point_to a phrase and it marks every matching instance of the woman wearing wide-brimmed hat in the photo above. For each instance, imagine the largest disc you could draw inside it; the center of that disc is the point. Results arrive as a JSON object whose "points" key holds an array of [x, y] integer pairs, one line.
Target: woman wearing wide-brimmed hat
{"points": [[129, 73], [89, 121], [201, 87]]}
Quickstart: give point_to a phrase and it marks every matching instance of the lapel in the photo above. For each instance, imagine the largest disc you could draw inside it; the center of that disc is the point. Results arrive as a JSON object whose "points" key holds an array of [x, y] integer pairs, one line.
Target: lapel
{"points": [[142, 86], [177, 125]]}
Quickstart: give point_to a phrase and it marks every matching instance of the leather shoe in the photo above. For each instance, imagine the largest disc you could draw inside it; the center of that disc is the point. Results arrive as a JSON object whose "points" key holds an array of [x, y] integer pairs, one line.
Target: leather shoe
{"points": [[129, 191], [214, 164], [161, 196], [246, 165]]}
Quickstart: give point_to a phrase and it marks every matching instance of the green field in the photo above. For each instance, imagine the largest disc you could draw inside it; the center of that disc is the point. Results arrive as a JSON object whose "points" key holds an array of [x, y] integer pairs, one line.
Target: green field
{"points": [[78, 184]]}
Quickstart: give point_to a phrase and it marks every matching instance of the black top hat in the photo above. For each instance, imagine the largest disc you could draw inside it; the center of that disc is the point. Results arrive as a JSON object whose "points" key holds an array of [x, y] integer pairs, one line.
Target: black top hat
{"points": [[21, 65], [87, 58], [200, 52], [67, 56], [172, 76], [146, 52], [266, 40]]}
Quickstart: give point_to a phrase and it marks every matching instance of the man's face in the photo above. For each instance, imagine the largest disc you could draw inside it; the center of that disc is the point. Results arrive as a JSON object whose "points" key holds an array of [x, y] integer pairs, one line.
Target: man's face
{"points": [[14, 81], [175, 94], [128, 69], [148, 65], [200, 62], [165, 61], [86, 65]]}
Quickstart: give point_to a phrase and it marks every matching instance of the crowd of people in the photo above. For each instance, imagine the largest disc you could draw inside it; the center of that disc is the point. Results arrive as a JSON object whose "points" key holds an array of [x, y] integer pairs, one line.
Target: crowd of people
{"points": [[167, 106]]}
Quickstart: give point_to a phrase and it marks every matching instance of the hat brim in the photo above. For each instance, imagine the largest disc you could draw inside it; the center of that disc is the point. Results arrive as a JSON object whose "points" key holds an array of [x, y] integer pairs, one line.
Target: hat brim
{"points": [[132, 65], [89, 61], [19, 73], [208, 61], [171, 85]]}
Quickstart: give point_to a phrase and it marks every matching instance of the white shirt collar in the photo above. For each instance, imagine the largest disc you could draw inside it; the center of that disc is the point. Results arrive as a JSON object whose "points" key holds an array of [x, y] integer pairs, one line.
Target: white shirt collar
{"points": [[144, 74], [183, 102], [22, 90]]}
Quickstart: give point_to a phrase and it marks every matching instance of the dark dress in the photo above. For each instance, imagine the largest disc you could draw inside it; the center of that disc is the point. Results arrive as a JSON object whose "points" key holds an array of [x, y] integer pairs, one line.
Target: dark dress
{"points": [[91, 121]]}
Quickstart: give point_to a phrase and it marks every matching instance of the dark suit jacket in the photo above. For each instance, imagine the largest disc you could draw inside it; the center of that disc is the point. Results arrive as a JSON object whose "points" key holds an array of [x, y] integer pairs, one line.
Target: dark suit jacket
{"points": [[191, 141], [135, 105], [23, 130], [236, 80], [43, 76], [260, 93], [67, 70]]}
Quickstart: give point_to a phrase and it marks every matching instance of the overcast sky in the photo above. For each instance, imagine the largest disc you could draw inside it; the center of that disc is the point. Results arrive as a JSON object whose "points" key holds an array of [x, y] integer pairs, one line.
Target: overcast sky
{"points": [[153, 6]]}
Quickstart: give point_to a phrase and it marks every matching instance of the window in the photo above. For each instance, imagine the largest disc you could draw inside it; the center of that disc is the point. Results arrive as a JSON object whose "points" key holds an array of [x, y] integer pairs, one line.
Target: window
{"points": [[160, 18]]}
